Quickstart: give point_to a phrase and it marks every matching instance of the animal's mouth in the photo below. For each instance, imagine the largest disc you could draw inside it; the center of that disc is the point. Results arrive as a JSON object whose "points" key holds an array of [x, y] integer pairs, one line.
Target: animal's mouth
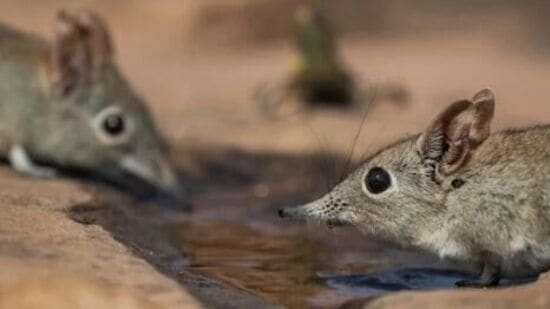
{"points": [[332, 223]]}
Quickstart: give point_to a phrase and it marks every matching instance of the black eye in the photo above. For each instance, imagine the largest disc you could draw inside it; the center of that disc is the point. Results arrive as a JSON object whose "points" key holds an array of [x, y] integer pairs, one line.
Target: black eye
{"points": [[377, 180], [114, 124]]}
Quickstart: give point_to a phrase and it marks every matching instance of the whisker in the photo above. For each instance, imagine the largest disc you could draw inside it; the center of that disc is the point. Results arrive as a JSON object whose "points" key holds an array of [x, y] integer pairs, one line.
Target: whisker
{"points": [[356, 137], [369, 147], [332, 166], [323, 157]]}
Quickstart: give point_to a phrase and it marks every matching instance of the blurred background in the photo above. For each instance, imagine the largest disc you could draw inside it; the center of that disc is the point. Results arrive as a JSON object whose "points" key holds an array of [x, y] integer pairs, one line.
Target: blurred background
{"points": [[192, 59], [200, 62]]}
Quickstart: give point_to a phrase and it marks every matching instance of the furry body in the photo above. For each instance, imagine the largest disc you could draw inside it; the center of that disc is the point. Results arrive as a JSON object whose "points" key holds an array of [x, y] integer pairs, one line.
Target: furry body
{"points": [[65, 104], [490, 214]]}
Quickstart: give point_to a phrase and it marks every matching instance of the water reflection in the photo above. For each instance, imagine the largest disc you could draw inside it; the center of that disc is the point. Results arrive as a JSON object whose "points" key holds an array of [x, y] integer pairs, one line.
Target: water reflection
{"points": [[396, 280], [301, 267], [275, 266], [236, 236]]}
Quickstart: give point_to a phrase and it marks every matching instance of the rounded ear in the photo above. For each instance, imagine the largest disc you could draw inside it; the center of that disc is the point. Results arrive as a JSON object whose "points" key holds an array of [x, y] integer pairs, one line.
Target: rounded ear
{"points": [[455, 132], [80, 42], [70, 60], [484, 102], [99, 38], [433, 143]]}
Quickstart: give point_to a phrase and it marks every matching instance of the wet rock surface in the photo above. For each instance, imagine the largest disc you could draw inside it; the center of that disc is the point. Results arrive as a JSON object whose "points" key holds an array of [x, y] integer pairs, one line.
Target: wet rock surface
{"points": [[37, 234], [146, 230], [54, 253]]}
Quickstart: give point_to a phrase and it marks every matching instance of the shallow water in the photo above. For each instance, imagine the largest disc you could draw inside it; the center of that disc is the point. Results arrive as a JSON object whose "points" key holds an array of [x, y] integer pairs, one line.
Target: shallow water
{"points": [[237, 237], [297, 270]]}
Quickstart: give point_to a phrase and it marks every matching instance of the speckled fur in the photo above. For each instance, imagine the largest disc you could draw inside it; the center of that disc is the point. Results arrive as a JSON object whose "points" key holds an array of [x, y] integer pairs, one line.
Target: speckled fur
{"points": [[499, 208]]}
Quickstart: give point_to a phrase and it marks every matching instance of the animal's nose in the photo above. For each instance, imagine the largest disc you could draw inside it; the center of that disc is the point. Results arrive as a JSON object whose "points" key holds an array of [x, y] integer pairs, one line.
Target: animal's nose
{"points": [[282, 213]]}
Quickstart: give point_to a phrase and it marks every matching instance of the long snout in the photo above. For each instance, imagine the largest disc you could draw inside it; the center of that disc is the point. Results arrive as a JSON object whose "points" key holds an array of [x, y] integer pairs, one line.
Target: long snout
{"points": [[304, 212], [160, 174], [327, 209], [290, 212], [170, 184]]}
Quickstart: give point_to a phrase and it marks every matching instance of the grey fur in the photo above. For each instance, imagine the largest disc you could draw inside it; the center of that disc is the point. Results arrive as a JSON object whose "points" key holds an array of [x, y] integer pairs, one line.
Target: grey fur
{"points": [[54, 97], [490, 214]]}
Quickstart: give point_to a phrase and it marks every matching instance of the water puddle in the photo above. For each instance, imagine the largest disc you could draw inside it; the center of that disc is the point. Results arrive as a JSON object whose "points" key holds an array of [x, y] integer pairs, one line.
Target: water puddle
{"points": [[236, 236], [303, 267], [297, 265]]}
